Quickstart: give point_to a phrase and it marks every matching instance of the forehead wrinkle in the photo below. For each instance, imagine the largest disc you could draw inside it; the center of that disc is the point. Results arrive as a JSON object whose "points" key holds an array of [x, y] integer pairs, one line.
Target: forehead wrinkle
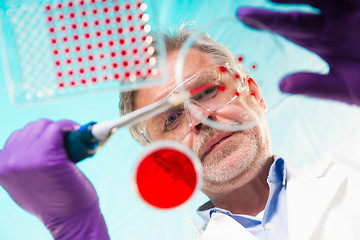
{"points": [[199, 60], [169, 88]]}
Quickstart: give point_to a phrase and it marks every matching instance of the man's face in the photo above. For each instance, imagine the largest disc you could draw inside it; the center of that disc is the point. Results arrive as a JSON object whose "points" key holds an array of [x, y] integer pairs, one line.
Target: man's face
{"points": [[229, 159]]}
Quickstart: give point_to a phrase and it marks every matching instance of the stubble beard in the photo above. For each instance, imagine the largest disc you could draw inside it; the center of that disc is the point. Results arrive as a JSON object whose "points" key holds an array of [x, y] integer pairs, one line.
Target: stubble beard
{"points": [[233, 160]]}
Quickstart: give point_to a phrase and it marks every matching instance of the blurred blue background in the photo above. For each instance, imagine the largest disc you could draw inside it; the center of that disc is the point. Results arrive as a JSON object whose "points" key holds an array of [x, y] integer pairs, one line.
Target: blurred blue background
{"points": [[302, 130]]}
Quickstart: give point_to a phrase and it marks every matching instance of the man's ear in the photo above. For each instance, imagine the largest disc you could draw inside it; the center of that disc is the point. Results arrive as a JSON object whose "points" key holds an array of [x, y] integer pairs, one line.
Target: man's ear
{"points": [[254, 92]]}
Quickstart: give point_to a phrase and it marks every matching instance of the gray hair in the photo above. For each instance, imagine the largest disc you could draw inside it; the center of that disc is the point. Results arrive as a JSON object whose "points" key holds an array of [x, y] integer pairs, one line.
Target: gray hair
{"points": [[174, 42]]}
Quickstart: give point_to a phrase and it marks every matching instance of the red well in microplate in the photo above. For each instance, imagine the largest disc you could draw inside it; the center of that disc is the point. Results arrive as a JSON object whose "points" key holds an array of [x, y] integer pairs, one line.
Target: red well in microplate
{"points": [[74, 25]]}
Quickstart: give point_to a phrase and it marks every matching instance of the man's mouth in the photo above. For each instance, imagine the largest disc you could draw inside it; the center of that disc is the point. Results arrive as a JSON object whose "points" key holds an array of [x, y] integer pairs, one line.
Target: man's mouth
{"points": [[215, 141]]}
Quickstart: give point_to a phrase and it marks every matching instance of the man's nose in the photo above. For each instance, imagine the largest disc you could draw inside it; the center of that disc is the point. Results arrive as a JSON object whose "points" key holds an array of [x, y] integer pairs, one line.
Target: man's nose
{"points": [[198, 117]]}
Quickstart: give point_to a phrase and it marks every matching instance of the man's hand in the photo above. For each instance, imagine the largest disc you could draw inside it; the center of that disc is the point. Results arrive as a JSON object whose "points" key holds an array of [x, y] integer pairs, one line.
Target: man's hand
{"points": [[36, 172], [334, 35]]}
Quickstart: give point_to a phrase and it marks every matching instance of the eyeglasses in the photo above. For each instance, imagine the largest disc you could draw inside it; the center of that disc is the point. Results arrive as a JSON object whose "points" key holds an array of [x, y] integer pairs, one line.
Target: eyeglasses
{"points": [[213, 89]]}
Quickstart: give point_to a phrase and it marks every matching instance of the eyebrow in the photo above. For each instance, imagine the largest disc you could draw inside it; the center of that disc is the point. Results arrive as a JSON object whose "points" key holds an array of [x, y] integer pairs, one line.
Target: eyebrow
{"points": [[187, 78], [162, 96], [166, 93]]}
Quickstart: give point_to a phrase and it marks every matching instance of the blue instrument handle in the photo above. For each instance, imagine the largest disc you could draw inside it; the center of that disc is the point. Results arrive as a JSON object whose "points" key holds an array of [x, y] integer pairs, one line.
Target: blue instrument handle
{"points": [[78, 144]]}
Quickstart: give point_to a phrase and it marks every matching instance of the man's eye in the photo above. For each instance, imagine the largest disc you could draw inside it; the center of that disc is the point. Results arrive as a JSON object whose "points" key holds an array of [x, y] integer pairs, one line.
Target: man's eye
{"points": [[208, 93], [172, 118]]}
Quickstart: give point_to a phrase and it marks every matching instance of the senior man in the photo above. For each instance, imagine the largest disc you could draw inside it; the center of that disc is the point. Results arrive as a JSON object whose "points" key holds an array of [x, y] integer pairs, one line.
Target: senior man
{"points": [[253, 193], [235, 164]]}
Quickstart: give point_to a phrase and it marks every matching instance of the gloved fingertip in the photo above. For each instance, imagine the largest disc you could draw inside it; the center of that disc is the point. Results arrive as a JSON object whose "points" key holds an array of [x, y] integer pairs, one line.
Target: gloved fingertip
{"points": [[252, 17], [66, 125], [76, 127], [243, 12], [67, 129], [73, 127], [284, 86], [289, 84]]}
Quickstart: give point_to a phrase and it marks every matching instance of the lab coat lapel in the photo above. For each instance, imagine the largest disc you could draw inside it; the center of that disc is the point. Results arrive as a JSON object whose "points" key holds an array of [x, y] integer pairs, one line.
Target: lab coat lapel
{"points": [[222, 226], [309, 193]]}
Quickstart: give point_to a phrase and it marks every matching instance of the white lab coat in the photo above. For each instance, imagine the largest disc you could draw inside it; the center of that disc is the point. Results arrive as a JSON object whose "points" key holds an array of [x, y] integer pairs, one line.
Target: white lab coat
{"points": [[323, 201]]}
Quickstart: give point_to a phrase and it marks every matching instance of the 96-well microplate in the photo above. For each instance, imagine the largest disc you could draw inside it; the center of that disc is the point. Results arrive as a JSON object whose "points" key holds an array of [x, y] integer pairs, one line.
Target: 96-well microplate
{"points": [[68, 47]]}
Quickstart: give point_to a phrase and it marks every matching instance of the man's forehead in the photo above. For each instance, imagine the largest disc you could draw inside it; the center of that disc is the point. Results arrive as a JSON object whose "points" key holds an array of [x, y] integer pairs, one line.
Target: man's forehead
{"points": [[195, 61]]}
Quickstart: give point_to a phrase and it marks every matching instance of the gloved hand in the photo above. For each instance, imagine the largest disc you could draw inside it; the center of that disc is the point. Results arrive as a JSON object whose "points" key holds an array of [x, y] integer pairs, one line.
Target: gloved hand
{"points": [[36, 172], [334, 35]]}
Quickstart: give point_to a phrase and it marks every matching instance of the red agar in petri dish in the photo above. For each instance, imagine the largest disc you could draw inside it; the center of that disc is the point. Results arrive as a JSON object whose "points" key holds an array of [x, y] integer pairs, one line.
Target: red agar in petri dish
{"points": [[166, 178]]}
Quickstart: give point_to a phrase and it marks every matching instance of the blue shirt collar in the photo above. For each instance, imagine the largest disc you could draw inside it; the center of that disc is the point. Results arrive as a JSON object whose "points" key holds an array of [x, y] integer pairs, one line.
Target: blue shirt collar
{"points": [[277, 174]]}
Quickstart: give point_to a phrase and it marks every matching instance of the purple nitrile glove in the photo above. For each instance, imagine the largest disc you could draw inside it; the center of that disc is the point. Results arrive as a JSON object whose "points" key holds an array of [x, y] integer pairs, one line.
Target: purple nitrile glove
{"points": [[36, 172], [334, 35]]}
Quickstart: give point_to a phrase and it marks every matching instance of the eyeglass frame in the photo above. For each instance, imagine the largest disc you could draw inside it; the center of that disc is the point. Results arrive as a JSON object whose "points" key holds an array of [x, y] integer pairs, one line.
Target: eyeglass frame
{"points": [[240, 88]]}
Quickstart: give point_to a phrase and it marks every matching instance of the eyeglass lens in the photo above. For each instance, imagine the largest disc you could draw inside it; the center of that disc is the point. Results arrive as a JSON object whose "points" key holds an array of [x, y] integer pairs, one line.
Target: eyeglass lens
{"points": [[211, 89]]}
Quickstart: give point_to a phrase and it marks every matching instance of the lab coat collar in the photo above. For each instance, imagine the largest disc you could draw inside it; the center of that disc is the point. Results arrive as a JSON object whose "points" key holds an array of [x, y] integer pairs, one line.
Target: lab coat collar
{"points": [[308, 196], [310, 191], [223, 226]]}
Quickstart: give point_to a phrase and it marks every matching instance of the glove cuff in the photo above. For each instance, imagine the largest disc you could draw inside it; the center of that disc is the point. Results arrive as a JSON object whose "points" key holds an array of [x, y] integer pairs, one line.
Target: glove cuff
{"points": [[88, 224]]}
